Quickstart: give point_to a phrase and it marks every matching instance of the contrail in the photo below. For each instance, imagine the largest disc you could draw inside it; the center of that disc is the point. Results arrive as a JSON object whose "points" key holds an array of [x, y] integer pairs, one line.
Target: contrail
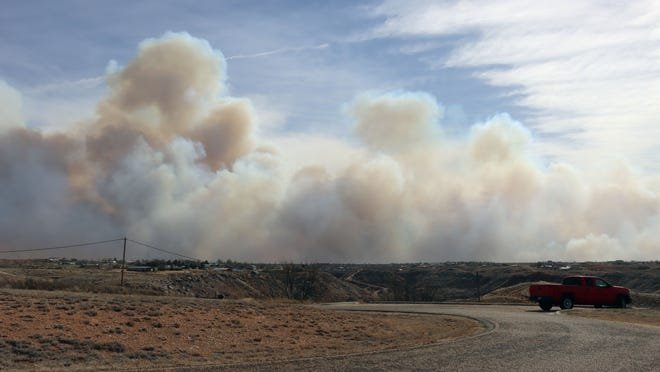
{"points": [[279, 51], [84, 83]]}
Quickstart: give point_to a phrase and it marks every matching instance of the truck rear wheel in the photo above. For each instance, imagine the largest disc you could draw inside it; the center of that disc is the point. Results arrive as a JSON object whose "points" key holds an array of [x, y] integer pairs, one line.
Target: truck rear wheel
{"points": [[545, 305], [566, 303]]}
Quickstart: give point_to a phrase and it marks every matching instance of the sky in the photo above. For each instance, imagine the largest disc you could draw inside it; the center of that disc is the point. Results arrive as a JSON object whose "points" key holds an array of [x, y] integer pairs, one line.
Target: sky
{"points": [[405, 130]]}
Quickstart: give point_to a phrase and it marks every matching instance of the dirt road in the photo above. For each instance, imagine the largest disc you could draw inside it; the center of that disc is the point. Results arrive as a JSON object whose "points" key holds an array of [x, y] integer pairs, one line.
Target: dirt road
{"points": [[520, 338]]}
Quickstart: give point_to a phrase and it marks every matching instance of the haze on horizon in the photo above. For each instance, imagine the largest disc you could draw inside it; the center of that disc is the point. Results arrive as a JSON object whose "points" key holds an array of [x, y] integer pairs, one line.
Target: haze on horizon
{"points": [[380, 132]]}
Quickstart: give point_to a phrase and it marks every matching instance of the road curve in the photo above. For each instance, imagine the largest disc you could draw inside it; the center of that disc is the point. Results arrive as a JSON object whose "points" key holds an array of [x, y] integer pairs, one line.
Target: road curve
{"points": [[520, 338]]}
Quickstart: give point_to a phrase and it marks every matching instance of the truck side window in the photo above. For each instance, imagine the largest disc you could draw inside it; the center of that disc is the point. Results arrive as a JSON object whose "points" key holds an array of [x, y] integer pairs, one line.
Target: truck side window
{"points": [[572, 281], [590, 282]]}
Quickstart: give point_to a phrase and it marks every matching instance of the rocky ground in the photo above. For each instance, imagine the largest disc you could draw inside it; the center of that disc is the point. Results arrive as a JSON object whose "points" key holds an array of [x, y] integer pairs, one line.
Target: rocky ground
{"points": [[63, 330]]}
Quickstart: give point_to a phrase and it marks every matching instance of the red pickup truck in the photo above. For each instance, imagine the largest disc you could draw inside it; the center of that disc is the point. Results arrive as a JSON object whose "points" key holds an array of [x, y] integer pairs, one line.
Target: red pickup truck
{"points": [[579, 290]]}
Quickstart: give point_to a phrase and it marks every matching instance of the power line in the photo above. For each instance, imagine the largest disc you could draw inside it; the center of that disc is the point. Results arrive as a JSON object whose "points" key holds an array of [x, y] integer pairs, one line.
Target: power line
{"points": [[97, 243], [163, 250], [61, 246]]}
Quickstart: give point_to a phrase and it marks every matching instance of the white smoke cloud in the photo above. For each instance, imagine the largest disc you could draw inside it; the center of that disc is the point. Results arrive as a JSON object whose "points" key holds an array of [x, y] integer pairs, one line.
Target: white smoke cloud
{"points": [[584, 249], [173, 160], [395, 122]]}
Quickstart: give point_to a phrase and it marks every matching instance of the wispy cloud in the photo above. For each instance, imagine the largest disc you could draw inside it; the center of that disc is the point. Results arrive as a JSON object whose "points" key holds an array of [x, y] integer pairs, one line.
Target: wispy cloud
{"points": [[588, 70], [279, 51]]}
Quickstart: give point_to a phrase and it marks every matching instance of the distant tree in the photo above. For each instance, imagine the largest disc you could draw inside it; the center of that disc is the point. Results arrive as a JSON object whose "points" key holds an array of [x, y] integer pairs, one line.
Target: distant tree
{"points": [[301, 282], [289, 281]]}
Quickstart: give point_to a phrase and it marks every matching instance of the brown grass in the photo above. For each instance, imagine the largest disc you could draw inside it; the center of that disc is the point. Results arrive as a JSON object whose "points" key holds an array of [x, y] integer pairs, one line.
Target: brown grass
{"points": [[63, 329], [636, 316]]}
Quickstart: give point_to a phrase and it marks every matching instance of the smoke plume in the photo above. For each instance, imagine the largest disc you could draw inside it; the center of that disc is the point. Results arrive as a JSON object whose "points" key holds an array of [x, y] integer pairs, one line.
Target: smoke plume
{"points": [[171, 158]]}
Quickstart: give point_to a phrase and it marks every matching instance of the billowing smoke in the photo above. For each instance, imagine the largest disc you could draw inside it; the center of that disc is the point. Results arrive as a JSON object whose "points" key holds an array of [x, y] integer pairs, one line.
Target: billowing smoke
{"points": [[170, 158]]}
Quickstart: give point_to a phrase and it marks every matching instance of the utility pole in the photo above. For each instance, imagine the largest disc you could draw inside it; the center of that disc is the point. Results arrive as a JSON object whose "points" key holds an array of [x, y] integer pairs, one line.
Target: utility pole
{"points": [[123, 264]]}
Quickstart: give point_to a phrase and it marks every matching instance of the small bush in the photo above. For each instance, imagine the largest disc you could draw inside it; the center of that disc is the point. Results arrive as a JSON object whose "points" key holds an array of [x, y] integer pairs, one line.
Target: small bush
{"points": [[114, 347]]}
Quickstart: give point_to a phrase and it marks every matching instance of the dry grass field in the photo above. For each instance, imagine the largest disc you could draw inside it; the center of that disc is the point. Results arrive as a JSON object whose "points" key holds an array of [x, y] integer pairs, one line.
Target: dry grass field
{"points": [[62, 330], [649, 317]]}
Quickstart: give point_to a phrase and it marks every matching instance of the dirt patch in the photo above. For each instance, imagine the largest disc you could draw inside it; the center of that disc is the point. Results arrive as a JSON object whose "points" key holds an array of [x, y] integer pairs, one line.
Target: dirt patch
{"points": [[41, 330], [635, 316]]}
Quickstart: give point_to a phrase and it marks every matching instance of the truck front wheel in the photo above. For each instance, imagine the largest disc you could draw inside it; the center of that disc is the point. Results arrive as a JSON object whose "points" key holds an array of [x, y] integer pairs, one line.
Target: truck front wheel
{"points": [[621, 302], [545, 305], [566, 303]]}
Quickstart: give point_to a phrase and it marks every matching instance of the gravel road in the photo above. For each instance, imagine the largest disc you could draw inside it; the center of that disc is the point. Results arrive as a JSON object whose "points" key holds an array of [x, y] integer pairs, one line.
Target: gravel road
{"points": [[519, 338]]}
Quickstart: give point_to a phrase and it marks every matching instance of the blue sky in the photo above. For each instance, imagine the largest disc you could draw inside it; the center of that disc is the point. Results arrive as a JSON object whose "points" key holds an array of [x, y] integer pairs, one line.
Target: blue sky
{"points": [[299, 60]]}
